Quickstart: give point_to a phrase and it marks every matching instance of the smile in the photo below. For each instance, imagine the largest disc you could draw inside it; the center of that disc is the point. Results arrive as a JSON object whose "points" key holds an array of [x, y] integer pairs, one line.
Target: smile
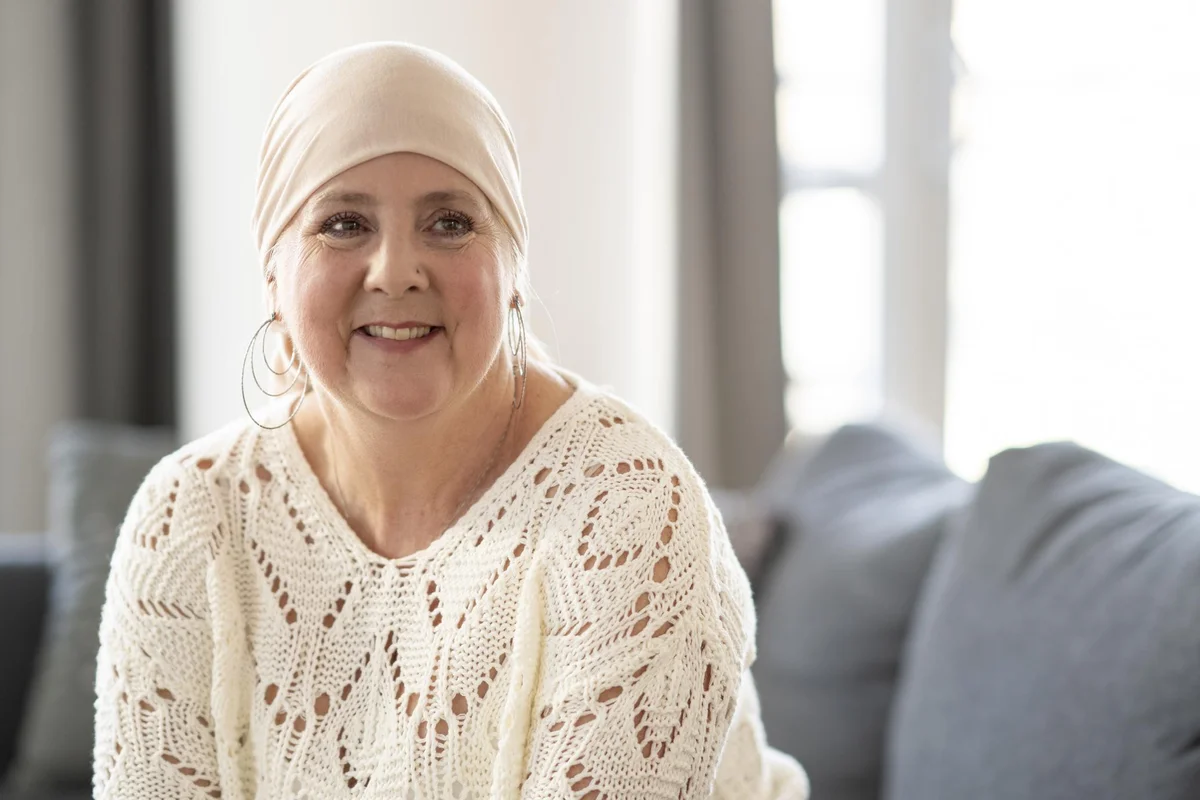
{"points": [[398, 334]]}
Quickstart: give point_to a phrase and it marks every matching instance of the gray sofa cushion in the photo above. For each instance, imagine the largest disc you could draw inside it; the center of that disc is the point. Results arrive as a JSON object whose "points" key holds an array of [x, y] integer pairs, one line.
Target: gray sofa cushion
{"points": [[1056, 652], [24, 586], [95, 468], [864, 511]]}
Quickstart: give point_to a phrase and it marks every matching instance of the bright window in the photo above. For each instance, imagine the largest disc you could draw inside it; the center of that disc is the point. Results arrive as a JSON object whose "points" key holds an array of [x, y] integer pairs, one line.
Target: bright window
{"points": [[1074, 255], [830, 126], [1073, 296]]}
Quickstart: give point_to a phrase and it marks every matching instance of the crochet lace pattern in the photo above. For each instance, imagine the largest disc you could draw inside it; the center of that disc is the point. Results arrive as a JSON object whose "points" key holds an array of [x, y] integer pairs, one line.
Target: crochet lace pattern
{"points": [[583, 631]]}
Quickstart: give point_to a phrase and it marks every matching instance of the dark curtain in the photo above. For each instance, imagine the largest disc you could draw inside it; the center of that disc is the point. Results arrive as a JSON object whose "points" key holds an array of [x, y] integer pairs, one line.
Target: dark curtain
{"points": [[125, 193], [731, 378]]}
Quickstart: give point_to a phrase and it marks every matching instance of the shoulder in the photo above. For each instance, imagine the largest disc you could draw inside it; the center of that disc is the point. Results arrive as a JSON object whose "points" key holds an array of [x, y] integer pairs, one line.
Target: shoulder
{"points": [[616, 431], [631, 459], [179, 501], [643, 516]]}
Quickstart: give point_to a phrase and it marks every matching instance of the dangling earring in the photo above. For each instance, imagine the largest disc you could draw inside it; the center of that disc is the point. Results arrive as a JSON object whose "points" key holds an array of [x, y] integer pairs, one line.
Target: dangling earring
{"points": [[517, 347], [253, 374]]}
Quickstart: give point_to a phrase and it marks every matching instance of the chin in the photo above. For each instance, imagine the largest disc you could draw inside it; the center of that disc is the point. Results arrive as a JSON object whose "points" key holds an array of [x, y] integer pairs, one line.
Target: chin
{"points": [[408, 400]]}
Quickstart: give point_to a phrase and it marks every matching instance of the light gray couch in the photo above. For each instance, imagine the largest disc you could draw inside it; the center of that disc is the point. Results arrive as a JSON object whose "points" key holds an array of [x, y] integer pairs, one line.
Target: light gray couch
{"points": [[1036, 635]]}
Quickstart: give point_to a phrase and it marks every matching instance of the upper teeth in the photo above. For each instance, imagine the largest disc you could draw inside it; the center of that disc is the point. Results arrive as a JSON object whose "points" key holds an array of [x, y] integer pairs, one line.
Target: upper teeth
{"points": [[397, 333]]}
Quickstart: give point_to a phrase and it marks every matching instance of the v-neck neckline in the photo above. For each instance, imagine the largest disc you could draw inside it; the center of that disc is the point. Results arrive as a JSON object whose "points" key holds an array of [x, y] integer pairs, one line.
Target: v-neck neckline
{"points": [[322, 503]]}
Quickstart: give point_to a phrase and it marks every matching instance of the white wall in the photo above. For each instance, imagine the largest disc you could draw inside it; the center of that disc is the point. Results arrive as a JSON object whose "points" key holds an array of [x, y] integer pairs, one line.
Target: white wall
{"points": [[37, 220], [589, 87]]}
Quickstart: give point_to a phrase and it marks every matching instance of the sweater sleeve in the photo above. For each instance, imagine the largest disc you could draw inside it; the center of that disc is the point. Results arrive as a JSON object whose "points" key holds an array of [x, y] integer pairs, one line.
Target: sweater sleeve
{"points": [[648, 633], [154, 733], [749, 768]]}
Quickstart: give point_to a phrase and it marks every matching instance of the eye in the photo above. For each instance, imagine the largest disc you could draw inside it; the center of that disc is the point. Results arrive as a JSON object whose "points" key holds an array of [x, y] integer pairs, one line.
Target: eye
{"points": [[453, 224], [342, 225]]}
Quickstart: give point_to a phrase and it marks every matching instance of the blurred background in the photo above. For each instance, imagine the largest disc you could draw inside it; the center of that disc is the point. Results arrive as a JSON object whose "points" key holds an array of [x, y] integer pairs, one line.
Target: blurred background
{"points": [[757, 221]]}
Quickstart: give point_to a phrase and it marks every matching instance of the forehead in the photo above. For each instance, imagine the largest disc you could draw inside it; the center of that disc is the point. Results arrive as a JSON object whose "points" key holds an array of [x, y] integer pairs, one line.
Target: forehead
{"points": [[398, 176]]}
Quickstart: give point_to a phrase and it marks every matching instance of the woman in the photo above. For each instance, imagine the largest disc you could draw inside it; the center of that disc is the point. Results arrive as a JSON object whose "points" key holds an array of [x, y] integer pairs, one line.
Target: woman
{"points": [[442, 569]]}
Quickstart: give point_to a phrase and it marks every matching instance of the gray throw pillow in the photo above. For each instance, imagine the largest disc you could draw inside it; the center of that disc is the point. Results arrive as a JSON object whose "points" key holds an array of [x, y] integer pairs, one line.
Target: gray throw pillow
{"points": [[95, 469], [864, 512], [1056, 651]]}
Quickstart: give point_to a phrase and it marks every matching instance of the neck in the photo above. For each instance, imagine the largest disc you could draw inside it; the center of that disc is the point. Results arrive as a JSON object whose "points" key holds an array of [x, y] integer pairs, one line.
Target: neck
{"points": [[401, 483]]}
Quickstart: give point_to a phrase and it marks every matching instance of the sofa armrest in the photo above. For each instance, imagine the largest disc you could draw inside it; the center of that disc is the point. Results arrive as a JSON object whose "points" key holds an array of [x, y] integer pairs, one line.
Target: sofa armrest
{"points": [[24, 590], [755, 533]]}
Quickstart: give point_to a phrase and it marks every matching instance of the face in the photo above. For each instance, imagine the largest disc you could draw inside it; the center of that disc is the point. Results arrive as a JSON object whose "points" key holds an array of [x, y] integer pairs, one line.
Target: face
{"points": [[389, 248]]}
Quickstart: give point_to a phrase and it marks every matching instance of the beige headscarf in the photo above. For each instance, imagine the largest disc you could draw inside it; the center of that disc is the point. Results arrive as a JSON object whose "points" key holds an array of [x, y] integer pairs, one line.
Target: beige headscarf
{"points": [[372, 99]]}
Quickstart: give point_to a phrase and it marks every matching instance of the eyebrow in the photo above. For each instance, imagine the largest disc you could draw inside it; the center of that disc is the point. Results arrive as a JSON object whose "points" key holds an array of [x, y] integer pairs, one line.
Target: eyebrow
{"points": [[365, 199], [351, 198], [448, 196]]}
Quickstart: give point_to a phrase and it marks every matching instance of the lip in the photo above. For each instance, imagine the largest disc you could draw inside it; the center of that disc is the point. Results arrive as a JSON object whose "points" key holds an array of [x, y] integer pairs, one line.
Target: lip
{"points": [[397, 345], [412, 323]]}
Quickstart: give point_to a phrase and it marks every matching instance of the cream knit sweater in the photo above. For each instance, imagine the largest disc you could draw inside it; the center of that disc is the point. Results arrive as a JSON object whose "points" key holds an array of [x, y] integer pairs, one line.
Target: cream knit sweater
{"points": [[584, 631]]}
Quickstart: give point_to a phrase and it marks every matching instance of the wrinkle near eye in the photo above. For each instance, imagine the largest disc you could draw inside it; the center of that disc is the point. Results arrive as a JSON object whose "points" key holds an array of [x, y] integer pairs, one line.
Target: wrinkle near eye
{"points": [[308, 248]]}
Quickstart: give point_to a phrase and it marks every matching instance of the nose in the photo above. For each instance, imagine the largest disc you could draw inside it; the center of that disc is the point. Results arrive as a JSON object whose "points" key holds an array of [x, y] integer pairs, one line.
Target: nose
{"points": [[396, 266]]}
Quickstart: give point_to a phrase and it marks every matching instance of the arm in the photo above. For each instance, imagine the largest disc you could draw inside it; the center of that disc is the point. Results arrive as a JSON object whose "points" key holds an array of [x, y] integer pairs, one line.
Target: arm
{"points": [[749, 767], [154, 733], [648, 631]]}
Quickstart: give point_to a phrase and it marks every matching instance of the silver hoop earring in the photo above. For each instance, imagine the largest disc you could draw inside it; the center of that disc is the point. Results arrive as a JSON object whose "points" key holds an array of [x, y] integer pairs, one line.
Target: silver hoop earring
{"points": [[254, 375], [267, 361], [517, 347]]}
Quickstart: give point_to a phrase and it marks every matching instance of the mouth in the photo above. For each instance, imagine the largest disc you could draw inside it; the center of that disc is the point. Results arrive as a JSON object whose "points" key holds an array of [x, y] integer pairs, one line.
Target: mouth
{"points": [[398, 334]]}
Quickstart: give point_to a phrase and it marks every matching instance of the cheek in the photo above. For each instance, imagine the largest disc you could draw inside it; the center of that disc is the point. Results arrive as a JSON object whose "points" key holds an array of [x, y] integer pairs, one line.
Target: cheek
{"points": [[319, 291], [318, 303], [472, 297]]}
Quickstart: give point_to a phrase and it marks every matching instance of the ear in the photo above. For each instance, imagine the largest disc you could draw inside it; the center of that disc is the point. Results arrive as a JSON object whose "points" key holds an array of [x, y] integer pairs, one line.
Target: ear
{"points": [[270, 288]]}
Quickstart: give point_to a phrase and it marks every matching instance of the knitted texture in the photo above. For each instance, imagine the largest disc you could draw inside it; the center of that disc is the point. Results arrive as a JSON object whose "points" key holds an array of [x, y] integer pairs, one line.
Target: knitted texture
{"points": [[583, 631]]}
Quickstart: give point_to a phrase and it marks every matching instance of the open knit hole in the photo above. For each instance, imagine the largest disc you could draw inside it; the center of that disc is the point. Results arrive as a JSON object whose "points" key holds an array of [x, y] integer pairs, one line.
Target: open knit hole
{"points": [[610, 694], [661, 569]]}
